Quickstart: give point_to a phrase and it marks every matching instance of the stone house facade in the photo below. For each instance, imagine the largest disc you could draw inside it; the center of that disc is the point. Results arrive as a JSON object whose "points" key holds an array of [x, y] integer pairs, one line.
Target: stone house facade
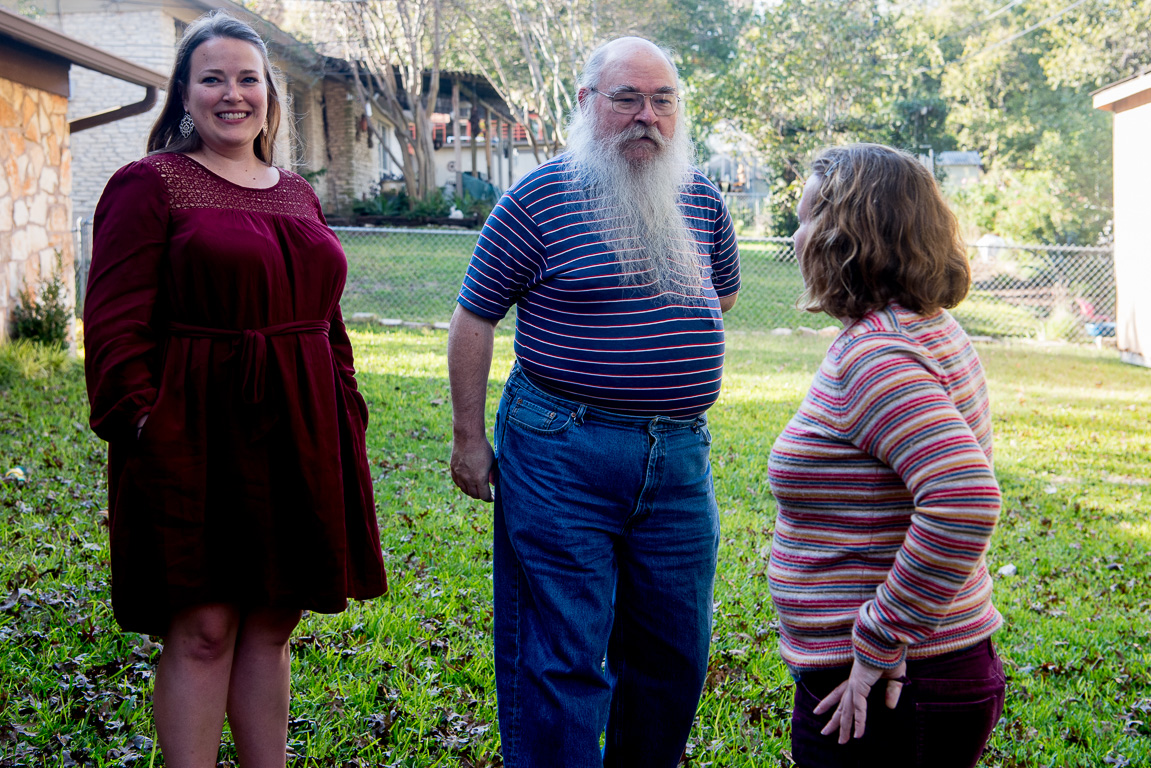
{"points": [[326, 139], [36, 227], [148, 35]]}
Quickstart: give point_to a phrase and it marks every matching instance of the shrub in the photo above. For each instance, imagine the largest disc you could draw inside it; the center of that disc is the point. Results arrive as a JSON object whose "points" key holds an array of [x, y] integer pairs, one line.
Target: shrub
{"points": [[479, 207], [44, 318], [27, 359], [434, 206], [382, 202], [1029, 207], [1062, 324]]}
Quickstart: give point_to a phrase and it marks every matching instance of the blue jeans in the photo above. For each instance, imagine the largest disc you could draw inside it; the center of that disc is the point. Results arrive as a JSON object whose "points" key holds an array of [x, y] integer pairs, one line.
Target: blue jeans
{"points": [[606, 534]]}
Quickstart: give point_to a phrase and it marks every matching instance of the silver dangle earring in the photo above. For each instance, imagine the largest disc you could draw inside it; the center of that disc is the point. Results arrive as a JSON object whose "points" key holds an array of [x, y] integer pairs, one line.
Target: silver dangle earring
{"points": [[186, 125], [265, 129]]}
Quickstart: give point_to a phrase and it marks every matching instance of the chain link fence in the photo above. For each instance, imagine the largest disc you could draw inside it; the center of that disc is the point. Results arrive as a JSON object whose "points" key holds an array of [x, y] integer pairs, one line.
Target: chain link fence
{"points": [[1018, 291], [1045, 292]]}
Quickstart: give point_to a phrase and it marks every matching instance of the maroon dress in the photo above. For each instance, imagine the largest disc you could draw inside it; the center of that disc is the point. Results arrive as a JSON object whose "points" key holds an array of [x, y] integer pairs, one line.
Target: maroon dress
{"points": [[214, 309]]}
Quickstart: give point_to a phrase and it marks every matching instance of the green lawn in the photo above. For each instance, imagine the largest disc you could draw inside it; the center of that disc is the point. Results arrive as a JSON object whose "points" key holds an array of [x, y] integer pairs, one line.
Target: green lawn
{"points": [[411, 276], [407, 680]]}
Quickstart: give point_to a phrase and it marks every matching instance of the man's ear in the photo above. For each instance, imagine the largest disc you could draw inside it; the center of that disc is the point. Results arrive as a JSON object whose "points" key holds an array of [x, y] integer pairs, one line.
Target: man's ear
{"points": [[581, 95]]}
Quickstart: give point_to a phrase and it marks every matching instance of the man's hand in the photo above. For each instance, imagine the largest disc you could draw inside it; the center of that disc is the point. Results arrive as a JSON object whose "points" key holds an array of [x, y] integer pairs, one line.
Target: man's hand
{"points": [[473, 468], [470, 342], [851, 696]]}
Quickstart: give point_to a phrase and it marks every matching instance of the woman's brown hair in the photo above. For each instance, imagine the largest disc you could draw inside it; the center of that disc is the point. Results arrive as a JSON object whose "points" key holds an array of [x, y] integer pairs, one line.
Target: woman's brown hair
{"points": [[165, 135], [878, 232]]}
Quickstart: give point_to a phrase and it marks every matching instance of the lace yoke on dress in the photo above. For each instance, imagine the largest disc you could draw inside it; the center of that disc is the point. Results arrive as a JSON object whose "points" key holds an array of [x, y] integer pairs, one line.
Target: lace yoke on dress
{"points": [[191, 185]]}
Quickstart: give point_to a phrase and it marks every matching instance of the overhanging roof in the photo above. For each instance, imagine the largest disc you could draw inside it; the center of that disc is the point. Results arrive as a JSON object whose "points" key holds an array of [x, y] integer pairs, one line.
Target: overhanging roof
{"points": [[16, 27], [1125, 94]]}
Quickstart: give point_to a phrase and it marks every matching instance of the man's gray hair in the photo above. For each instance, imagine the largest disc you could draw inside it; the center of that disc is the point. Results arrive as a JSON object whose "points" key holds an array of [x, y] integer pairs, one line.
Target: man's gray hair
{"points": [[593, 67]]}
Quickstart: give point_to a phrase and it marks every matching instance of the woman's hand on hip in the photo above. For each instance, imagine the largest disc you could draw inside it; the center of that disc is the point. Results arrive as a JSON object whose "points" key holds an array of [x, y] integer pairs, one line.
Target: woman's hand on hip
{"points": [[850, 698]]}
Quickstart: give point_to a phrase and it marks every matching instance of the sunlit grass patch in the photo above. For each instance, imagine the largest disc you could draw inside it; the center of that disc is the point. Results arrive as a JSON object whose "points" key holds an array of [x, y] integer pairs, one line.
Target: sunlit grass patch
{"points": [[407, 679]]}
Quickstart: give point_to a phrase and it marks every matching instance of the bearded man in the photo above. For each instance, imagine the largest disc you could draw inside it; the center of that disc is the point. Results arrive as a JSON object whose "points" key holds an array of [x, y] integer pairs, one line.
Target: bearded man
{"points": [[620, 258]]}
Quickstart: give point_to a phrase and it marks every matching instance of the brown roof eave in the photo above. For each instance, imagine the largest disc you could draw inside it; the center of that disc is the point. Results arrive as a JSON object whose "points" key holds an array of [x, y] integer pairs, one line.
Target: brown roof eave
{"points": [[17, 27]]}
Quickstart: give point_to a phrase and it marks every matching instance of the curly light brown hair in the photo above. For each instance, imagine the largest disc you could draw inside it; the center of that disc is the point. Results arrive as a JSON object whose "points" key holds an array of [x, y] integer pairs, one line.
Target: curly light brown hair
{"points": [[879, 232]]}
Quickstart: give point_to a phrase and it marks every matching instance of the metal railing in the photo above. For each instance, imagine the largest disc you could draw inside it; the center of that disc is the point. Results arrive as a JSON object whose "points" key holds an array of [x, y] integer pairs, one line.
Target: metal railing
{"points": [[1018, 291]]}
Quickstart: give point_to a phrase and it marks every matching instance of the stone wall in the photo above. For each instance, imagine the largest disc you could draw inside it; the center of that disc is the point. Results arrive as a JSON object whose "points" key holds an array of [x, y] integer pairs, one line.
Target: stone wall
{"points": [[35, 188], [310, 155]]}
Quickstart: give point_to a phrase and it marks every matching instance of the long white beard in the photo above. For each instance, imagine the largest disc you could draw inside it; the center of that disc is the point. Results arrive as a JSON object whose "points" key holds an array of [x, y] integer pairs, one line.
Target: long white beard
{"points": [[634, 207]]}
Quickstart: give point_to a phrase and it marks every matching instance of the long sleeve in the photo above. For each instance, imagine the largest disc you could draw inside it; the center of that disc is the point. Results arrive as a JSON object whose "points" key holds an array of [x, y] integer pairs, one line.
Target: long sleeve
{"points": [[121, 346], [896, 408]]}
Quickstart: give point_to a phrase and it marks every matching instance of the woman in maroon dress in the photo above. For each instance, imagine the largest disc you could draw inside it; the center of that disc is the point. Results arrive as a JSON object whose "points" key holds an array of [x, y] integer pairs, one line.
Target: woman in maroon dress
{"points": [[220, 373]]}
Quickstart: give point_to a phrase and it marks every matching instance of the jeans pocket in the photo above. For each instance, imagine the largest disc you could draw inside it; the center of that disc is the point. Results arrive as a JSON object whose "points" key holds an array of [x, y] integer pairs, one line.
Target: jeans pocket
{"points": [[538, 415], [952, 734]]}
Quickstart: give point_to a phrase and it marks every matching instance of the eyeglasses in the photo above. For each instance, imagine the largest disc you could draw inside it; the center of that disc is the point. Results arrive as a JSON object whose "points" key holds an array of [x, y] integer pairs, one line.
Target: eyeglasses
{"points": [[631, 102]]}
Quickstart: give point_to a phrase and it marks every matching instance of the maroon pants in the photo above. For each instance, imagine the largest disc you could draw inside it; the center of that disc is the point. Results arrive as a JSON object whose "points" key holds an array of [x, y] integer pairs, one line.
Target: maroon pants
{"points": [[944, 718]]}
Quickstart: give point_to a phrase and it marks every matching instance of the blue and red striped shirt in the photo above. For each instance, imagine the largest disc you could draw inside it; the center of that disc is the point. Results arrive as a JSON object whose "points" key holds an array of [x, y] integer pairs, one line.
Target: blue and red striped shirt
{"points": [[580, 330], [887, 499]]}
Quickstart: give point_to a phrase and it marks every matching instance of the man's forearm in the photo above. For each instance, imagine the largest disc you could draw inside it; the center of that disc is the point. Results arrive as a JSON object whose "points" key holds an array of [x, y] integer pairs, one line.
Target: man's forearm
{"points": [[471, 339], [470, 342]]}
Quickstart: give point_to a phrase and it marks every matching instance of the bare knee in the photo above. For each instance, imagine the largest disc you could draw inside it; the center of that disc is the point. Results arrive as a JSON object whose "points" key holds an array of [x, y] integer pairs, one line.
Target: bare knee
{"points": [[269, 627], [204, 633]]}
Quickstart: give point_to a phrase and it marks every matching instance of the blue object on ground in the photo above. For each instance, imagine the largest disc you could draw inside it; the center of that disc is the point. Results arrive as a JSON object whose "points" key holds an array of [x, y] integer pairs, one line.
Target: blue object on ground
{"points": [[1096, 330]]}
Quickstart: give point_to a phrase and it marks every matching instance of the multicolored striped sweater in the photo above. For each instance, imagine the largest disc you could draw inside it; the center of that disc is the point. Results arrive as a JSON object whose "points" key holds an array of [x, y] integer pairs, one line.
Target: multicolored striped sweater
{"points": [[886, 498]]}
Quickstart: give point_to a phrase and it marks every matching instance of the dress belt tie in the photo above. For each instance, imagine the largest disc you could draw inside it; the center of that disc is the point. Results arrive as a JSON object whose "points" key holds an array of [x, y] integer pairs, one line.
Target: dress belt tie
{"points": [[253, 348]]}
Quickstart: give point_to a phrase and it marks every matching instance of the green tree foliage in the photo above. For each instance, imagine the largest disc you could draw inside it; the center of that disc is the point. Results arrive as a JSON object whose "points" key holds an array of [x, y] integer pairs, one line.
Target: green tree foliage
{"points": [[1020, 93], [532, 50], [701, 33], [1098, 42], [1031, 206], [1010, 79], [807, 74]]}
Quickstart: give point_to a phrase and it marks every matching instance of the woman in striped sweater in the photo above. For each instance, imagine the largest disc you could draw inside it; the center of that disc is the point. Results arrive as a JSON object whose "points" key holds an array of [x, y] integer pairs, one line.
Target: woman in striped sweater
{"points": [[884, 483]]}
